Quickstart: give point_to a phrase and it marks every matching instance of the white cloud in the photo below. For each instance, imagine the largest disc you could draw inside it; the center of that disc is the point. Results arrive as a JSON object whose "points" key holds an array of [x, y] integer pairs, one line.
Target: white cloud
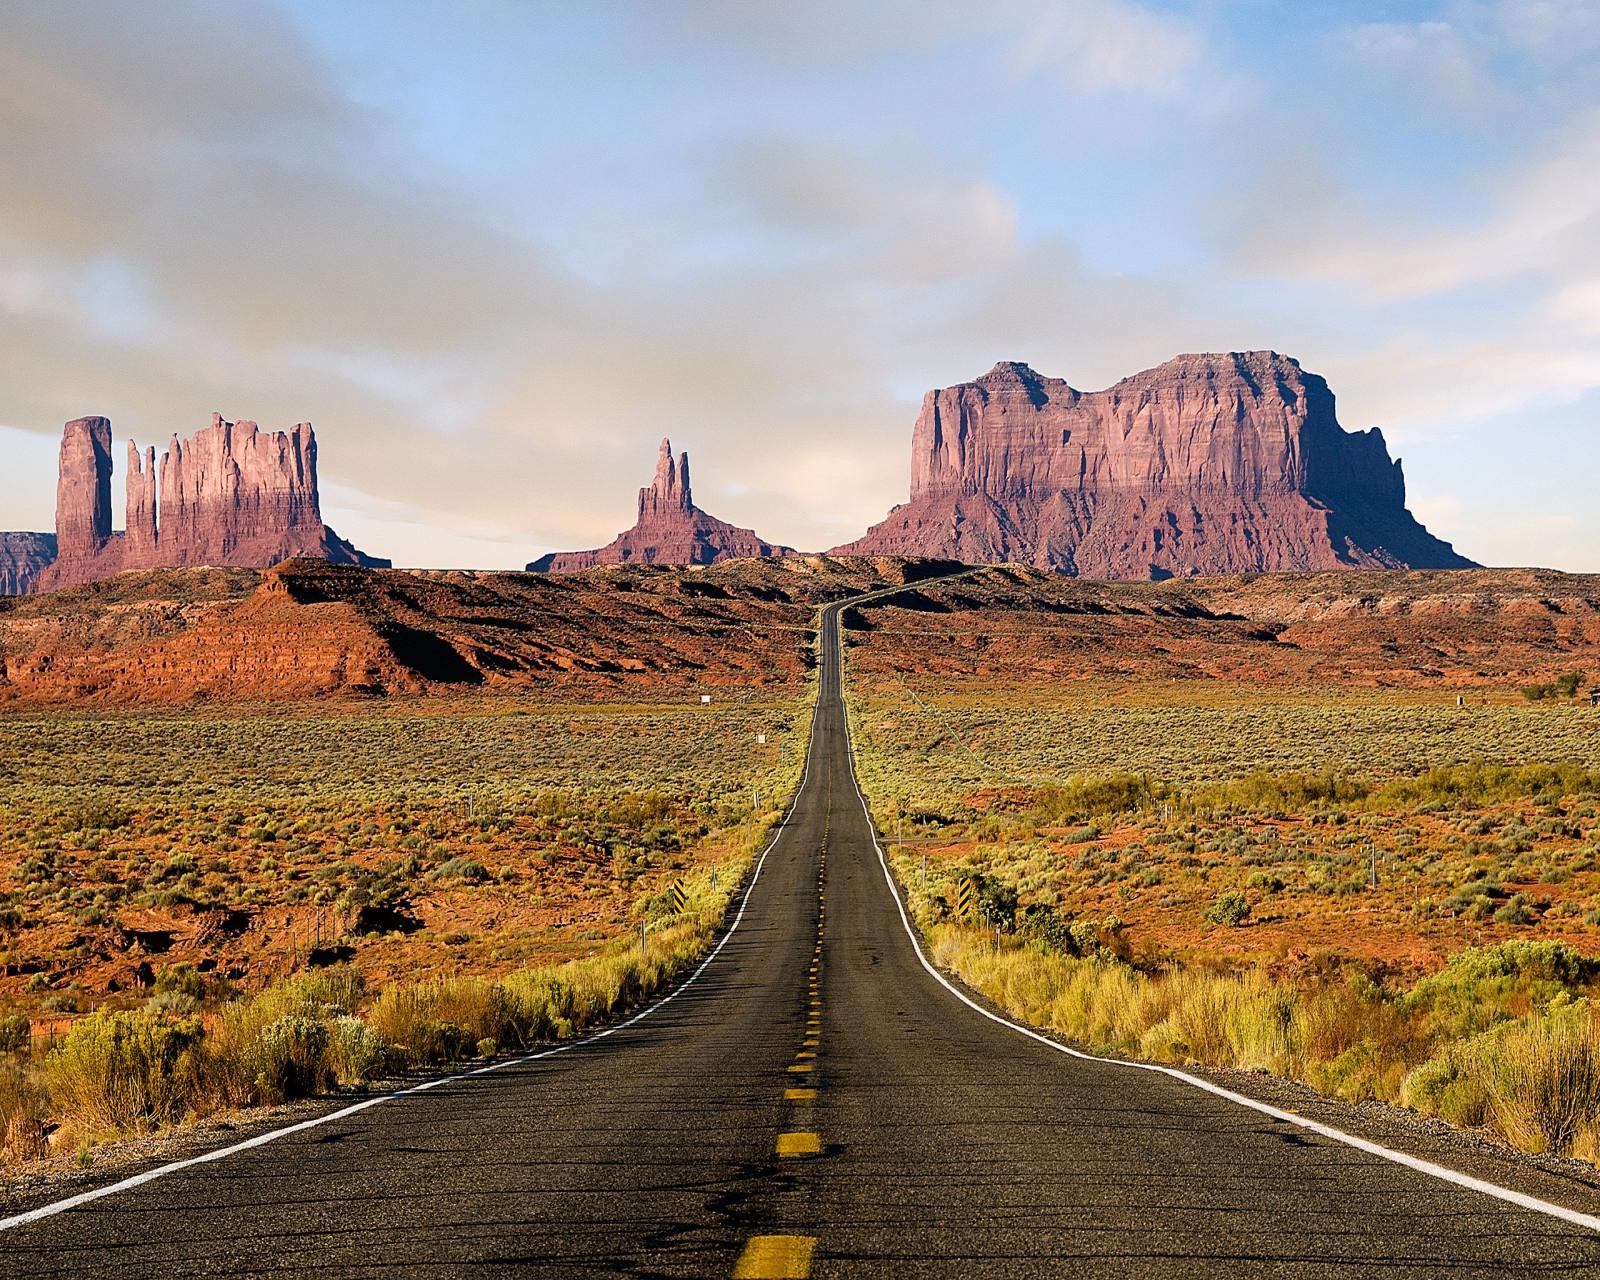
{"points": [[1101, 46], [1554, 31], [1428, 61], [777, 305]]}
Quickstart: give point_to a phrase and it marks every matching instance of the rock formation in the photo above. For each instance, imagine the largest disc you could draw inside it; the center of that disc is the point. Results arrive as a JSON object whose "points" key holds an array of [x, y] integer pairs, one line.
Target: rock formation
{"points": [[83, 488], [1208, 464], [230, 495], [23, 556], [670, 530]]}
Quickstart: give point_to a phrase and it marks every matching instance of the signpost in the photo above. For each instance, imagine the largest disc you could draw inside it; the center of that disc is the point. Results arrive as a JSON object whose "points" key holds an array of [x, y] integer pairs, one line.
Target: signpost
{"points": [[679, 898], [966, 897]]}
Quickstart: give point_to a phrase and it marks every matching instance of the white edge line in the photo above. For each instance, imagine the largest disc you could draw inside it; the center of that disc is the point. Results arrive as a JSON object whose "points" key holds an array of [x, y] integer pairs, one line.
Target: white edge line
{"points": [[262, 1139], [1439, 1171]]}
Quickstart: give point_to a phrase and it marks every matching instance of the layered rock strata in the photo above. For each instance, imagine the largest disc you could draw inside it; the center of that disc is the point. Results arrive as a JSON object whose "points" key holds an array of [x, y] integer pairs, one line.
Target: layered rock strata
{"points": [[1208, 464], [670, 530], [23, 556], [231, 494]]}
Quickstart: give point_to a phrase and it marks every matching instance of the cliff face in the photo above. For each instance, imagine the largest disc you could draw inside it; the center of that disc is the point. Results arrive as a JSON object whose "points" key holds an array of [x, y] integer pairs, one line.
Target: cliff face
{"points": [[1208, 464], [670, 530], [23, 556], [83, 487], [229, 495]]}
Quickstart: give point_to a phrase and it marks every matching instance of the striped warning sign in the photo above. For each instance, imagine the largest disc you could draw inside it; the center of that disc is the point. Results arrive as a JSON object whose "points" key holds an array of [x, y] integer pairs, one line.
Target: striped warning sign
{"points": [[966, 897], [678, 898]]}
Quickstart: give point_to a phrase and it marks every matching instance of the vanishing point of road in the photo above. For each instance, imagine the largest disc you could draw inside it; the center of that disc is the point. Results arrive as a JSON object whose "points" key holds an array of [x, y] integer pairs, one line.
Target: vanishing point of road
{"points": [[814, 1102]]}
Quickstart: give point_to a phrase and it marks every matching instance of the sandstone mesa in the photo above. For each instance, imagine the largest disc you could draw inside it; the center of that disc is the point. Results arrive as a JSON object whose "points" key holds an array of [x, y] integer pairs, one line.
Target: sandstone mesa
{"points": [[1206, 465]]}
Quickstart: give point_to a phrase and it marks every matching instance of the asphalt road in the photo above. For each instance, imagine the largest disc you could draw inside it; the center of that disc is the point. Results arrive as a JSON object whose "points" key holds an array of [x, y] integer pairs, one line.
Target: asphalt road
{"points": [[796, 1110]]}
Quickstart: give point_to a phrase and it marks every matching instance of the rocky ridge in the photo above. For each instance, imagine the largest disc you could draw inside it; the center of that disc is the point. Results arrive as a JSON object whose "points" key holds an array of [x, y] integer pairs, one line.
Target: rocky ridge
{"points": [[231, 494], [23, 556], [670, 529], [308, 629], [1206, 465]]}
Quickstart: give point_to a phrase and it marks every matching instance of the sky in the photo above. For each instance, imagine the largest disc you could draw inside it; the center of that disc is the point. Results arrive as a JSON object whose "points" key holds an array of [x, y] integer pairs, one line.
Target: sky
{"points": [[495, 250]]}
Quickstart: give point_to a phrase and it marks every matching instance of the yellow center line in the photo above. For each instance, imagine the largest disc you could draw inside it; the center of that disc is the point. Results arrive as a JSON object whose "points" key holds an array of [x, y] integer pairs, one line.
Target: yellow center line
{"points": [[775, 1258], [795, 1145], [800, 1067], [799, 1095]]}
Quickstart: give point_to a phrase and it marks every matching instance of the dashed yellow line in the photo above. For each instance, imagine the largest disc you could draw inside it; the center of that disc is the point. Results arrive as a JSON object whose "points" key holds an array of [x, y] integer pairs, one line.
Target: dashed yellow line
{"points": [[794, 1146], [802, 1066], [799, 1095], [775, 1258]]}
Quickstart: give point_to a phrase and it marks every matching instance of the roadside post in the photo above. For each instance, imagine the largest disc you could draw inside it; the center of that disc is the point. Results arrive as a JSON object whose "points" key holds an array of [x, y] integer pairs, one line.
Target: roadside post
{"points": [[678, 898]]}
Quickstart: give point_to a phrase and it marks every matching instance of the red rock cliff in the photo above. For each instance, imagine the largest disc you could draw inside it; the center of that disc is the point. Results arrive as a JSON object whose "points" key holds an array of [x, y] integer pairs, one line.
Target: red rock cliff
{"points": [[670, 530], [229, 495], [23, 556], [83, 488], [1208, 464]]}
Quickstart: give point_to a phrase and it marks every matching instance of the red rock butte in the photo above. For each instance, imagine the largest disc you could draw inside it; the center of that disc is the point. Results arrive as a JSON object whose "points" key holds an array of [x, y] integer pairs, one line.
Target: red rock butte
{"points": [[670, 530], [229, 495], [1205, 465]]}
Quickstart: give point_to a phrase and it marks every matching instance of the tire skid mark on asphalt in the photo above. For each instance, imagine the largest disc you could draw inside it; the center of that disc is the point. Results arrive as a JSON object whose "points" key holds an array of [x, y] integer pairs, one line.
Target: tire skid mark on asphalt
{"points": [[263, 1139], [1466, 1181]]}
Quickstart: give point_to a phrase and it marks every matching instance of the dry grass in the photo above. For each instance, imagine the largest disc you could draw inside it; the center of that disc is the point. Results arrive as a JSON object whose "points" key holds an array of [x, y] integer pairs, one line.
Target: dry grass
{"points": [[407, 841], [134, 1071], [1533, 1080], [1182, 872]]}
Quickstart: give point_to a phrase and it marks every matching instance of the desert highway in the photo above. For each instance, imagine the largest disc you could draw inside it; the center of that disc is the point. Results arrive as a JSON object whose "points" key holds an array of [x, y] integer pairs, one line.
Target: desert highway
{"points": [[814, 1102]]}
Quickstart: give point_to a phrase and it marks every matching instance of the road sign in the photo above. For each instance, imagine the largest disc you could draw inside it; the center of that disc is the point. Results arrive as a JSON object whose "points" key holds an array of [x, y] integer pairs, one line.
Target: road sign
{"points": [[704, 698], [761, 739], [966, 897], [678, 897]]}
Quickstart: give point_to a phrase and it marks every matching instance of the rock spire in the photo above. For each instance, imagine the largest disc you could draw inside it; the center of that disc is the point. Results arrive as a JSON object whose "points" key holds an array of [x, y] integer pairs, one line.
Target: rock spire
{"points": [[670, 529], [231, 494]]}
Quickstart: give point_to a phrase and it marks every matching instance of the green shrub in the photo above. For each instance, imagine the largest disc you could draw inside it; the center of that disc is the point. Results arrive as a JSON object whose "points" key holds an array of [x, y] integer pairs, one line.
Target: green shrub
{"points": [[1231, 909], [462, 868], [290, 1060], [126, 1071], [357, 1055], [1550, 1078], [180, 979], [1515, 911]]}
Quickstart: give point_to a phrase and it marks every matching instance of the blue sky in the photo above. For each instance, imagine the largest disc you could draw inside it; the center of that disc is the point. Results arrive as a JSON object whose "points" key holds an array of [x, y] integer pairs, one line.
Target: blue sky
{"points": [[495, 251]]}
